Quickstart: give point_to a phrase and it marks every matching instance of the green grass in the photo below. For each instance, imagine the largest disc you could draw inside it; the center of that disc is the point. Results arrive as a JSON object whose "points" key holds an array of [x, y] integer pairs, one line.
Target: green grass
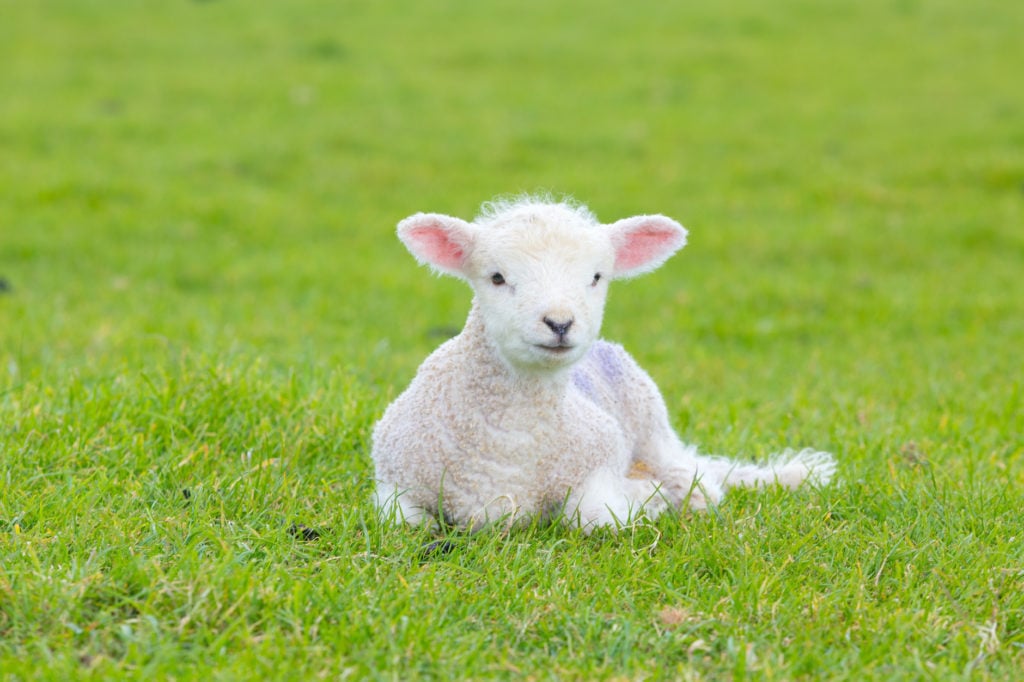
{"points": [[205, 309]]}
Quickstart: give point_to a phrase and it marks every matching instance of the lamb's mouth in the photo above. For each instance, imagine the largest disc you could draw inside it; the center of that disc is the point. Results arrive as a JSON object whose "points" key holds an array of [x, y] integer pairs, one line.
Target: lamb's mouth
{"points": [[556, 349]]}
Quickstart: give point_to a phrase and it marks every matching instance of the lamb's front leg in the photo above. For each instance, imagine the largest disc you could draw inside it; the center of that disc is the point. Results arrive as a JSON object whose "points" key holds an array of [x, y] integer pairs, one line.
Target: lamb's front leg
{"points": [[608, 499], [396, 505]]}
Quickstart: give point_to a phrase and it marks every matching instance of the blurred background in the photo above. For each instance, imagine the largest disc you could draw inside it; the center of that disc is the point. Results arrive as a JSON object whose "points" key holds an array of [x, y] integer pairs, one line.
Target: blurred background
{"points": [[221, 177]]}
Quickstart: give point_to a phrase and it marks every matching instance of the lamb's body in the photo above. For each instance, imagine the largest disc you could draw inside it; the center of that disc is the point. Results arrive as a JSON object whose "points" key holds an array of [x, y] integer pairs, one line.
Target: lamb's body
{"points": [[525, 444], [489, 431]]}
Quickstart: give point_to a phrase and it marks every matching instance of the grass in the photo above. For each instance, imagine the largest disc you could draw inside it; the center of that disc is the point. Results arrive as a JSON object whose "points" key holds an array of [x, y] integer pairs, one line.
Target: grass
{"points": [[204, 309]]}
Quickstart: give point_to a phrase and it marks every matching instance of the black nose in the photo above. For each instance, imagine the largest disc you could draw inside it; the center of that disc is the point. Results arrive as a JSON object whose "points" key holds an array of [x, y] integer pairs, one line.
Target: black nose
{"points": [[559, 328]]}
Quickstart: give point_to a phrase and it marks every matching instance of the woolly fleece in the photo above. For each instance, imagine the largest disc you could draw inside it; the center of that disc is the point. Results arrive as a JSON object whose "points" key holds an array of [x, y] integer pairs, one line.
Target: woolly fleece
{"points": [[525, 413]]}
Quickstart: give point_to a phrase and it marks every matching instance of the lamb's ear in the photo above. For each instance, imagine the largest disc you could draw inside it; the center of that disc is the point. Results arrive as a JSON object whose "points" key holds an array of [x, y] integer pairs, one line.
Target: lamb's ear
{"points": [[644, 242], [440, 241]]}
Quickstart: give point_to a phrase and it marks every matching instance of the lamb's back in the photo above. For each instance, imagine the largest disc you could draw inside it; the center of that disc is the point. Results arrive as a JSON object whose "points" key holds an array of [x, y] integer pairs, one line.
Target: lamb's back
{"points": [[609, 377]]}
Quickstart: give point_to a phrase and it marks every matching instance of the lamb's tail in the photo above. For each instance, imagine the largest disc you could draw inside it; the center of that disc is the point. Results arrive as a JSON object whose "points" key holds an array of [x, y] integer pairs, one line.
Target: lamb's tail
{"points": [[789, 469]]}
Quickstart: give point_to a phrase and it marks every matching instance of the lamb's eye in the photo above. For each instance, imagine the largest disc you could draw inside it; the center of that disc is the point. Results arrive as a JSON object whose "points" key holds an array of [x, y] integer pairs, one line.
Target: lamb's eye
{"points": [[597, 278], [497, 279]]}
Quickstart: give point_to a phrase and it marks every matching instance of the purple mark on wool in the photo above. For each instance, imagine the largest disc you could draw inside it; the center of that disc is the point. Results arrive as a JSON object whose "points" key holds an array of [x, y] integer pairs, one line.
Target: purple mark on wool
{"points": [[584, 384], [608, 360], [601, 369]]}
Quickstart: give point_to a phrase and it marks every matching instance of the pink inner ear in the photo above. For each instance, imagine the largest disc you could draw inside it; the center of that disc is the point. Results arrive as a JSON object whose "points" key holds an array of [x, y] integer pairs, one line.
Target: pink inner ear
{"points": [[643, 245], [434, 245]]}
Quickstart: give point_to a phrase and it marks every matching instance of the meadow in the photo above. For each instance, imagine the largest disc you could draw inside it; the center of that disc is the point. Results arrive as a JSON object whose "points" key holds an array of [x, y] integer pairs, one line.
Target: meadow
{"points": [[204, 309]]}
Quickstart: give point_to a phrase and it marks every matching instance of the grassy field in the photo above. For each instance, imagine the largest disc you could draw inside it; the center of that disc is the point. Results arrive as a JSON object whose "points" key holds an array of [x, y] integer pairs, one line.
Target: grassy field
{"points": [[203, 310]]}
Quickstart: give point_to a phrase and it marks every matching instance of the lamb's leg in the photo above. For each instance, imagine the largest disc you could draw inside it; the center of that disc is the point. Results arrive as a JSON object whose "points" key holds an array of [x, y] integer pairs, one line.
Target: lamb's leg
{"points": [[702, 479], [696, 480], [468, 512], [394, 506], [686, 479], [502, 511], [789, 469], [607, 499]]}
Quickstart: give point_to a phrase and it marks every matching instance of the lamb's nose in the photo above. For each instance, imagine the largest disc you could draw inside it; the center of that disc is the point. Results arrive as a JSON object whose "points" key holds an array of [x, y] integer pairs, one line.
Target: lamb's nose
{"points": [[560, 328]]}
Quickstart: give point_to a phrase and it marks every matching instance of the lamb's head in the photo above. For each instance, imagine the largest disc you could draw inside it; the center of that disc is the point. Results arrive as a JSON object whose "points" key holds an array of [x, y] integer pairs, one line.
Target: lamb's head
{"points": [[540, 270]]}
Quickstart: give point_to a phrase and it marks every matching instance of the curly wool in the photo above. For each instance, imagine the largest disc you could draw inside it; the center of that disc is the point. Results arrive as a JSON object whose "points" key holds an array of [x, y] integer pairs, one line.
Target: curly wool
{"points": [[526, 413]]}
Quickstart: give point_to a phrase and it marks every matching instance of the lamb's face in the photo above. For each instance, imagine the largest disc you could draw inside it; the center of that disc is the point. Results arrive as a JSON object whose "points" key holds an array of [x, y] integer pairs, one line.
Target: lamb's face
{"points": [[541, 271], [541, 284]]}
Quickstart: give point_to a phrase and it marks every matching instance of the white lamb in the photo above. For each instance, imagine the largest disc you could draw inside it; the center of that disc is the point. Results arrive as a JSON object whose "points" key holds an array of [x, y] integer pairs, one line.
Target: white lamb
{"points": [[525, 413]]}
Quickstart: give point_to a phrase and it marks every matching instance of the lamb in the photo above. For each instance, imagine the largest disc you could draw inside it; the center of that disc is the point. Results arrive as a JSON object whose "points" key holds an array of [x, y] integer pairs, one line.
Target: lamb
{"points": [[526, 414]]}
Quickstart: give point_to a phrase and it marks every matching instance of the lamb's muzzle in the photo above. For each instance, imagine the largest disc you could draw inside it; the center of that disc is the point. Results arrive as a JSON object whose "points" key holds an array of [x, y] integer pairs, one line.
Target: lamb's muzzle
{"points": [[559, 328]]}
